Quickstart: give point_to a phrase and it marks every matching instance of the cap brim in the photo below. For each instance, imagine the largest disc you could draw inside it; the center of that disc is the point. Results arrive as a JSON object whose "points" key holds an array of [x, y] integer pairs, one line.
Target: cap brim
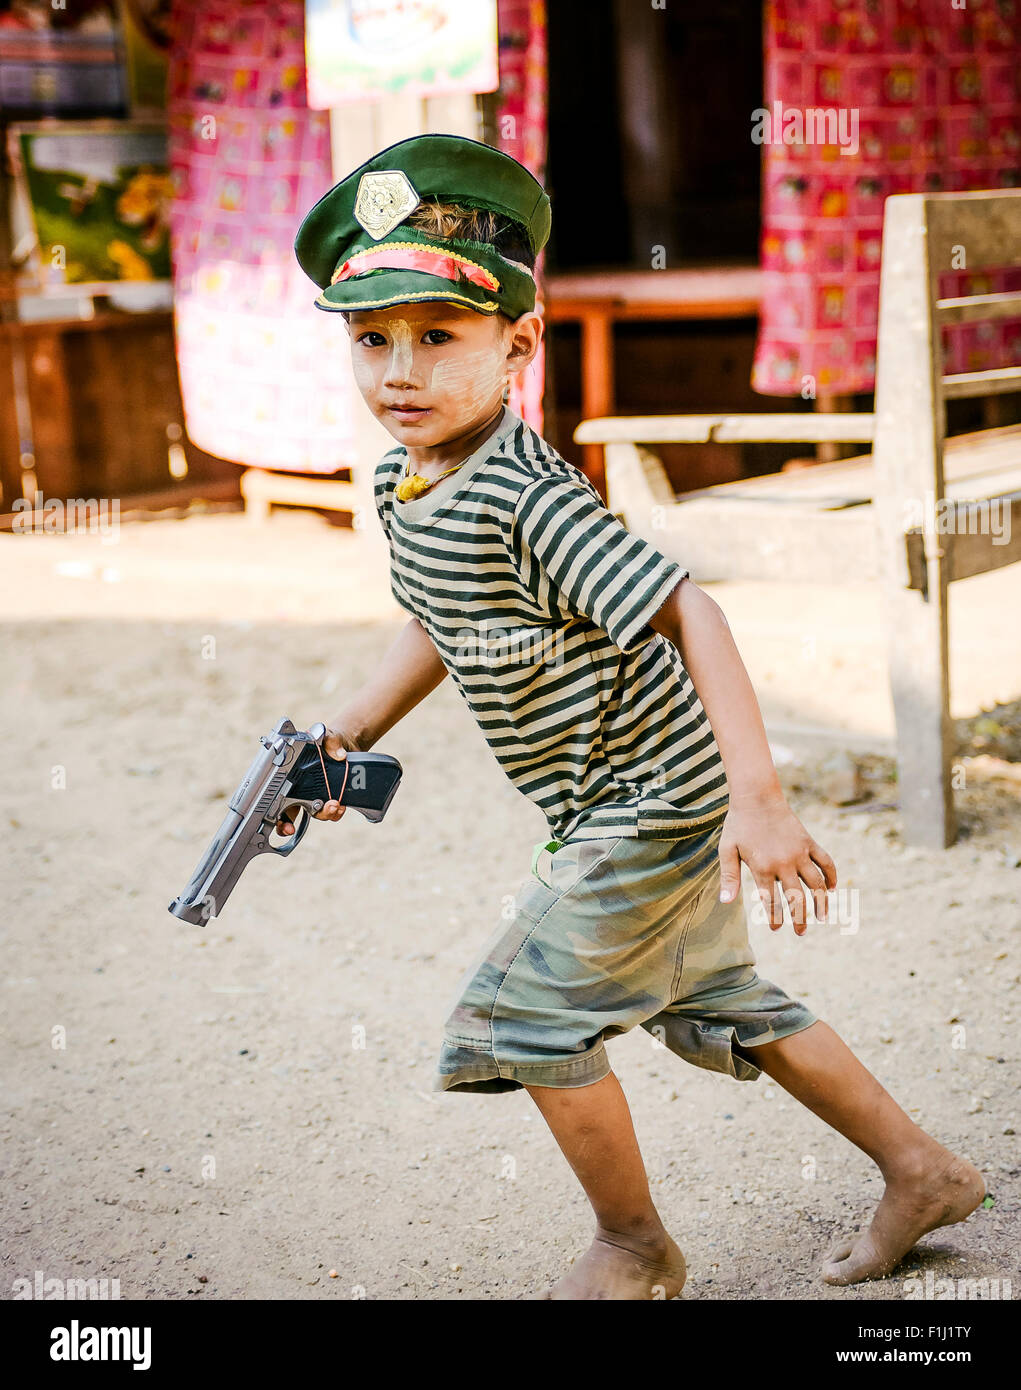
{"points": [[384, 288]]}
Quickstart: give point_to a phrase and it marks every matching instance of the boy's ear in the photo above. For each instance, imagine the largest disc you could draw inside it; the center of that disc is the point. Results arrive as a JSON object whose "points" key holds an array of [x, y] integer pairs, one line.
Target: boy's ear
{"points": [[524, 335]]}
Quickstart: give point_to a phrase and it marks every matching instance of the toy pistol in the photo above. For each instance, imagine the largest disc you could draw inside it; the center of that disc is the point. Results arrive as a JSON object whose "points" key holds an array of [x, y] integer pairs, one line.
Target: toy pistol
{"points": [[292, 771]]}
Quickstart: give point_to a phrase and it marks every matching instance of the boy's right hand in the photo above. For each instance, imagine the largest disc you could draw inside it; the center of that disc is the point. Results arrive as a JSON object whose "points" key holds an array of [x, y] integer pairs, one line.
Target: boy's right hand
{"points": [[335, 745]]}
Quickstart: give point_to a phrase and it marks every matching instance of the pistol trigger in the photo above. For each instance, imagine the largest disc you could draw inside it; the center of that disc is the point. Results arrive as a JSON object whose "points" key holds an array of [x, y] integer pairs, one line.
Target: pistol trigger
{"points": [[301, 824]]}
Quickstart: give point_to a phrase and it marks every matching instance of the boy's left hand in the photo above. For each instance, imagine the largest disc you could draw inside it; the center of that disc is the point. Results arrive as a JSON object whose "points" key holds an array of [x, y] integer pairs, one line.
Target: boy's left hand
{"points": [[764, 832]]}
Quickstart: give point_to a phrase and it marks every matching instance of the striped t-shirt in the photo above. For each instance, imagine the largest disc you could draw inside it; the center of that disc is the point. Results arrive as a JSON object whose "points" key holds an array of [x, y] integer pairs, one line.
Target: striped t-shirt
{"points": [[538, 601]]}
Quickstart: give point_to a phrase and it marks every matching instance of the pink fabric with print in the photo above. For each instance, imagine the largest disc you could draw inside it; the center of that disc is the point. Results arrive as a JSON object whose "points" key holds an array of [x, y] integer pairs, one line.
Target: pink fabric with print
{"points": [[937, 96], [265, 376]]}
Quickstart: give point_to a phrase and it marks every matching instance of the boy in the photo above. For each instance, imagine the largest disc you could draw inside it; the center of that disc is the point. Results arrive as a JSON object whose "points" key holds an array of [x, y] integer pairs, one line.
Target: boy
{"points": [[635, 729]]}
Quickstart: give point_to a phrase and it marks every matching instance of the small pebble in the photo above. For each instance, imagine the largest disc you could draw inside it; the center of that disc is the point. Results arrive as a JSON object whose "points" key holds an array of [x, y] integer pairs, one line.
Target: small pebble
{"points": [[334, 1274]]}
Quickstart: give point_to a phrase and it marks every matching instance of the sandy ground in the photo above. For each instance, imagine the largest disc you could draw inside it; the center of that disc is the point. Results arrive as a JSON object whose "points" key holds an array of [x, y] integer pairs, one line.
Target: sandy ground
{"points": [[187, 1110]]}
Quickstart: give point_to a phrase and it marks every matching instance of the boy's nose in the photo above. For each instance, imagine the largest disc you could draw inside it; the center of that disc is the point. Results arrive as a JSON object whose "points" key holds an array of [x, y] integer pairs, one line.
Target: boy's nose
{"points": [[401, 366], [400, 371]]}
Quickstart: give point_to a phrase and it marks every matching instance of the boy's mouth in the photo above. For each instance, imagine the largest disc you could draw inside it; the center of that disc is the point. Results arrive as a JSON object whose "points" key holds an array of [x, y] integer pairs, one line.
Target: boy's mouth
{"points": [[405, 411]]}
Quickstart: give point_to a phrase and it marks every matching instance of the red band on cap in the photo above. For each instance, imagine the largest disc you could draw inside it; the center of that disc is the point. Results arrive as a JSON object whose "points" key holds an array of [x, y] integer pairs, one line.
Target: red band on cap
{"points": [[424, 258]]}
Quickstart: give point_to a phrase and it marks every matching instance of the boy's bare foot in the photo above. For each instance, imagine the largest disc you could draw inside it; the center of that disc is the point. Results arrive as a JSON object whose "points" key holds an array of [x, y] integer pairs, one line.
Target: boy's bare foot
{"points": [[617, 1266], [941, 1190]]}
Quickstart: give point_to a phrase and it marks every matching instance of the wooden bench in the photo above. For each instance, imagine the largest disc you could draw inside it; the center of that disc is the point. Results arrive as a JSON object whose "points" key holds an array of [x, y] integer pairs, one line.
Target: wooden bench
{"points": [[262, 490], [599, 300], [916, 514]]}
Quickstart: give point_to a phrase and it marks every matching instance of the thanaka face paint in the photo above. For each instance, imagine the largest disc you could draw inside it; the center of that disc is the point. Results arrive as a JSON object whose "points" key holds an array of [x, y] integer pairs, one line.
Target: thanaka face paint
{"points": [[470, 383], [402, 350], [433, 374]]}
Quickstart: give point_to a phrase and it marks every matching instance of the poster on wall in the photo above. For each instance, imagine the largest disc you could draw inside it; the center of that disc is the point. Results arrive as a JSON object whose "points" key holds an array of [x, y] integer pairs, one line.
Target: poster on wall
{"points": [[98, 195], [367, 50]]}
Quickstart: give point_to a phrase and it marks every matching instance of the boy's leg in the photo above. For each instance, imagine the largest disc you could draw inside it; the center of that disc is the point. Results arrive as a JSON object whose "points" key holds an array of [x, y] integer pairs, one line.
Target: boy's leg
{"points": [[926, 1185], [631, 1257]]}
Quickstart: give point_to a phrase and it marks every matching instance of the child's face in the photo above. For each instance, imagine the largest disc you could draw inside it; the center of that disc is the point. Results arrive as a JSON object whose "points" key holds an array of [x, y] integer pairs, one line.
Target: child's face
{"points": [[432, 372]]}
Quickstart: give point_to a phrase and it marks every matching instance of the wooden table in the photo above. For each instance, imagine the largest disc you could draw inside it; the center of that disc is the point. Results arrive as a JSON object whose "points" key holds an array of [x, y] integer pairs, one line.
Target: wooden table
{"points": [[598, 300], [92, 407]]}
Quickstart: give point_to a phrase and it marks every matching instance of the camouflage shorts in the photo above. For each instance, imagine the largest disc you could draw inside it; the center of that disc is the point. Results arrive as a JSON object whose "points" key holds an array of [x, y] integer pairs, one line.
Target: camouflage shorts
{"points": [[606, 934]]}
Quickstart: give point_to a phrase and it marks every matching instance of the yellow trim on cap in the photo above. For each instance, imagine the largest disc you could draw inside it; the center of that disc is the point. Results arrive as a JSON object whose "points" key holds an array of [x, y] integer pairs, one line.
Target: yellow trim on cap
{"points": [[488, 306]]}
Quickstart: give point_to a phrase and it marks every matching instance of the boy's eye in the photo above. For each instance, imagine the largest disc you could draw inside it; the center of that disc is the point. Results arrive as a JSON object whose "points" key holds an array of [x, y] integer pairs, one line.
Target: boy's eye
{"points": [[435, 336], [371, 339]]}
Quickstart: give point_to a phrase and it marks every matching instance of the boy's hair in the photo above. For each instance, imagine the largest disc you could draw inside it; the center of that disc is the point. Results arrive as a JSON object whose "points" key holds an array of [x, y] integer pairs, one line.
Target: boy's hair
{"points": [[474, 224]]}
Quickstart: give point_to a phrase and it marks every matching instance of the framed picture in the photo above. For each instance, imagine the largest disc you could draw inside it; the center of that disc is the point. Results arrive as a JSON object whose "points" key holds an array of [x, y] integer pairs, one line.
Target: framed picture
{"points": [[367, 50], [98, 195]]}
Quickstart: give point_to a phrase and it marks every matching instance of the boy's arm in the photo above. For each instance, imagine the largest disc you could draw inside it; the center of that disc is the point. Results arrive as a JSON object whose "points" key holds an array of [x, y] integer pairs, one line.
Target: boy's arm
{"points": [[760, 827], [410, 669]]}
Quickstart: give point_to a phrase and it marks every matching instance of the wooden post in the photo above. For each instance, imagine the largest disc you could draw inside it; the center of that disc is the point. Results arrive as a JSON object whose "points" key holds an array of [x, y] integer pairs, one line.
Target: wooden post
{"points": [[908, 458], [828, 451], [17, 473], [597, 385]]}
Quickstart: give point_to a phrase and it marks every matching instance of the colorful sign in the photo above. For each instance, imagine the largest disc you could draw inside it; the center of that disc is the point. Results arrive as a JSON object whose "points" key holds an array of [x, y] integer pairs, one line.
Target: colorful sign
{"points": [[367, 50]]}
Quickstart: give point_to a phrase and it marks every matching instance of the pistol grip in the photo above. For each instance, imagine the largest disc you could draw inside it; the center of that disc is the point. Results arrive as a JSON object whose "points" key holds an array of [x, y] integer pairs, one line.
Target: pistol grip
{"points": [[367, 784]]}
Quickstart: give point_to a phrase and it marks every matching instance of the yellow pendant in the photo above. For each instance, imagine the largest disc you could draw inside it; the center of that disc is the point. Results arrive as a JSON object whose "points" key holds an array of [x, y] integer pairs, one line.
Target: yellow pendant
{"points": [[414, 485], [409, 488]]}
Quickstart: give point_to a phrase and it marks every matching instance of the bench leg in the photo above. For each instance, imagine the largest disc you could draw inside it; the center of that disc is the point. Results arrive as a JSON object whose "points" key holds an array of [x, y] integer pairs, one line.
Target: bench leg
{"points": [[918, 648], [908, 464], [257, 507]]}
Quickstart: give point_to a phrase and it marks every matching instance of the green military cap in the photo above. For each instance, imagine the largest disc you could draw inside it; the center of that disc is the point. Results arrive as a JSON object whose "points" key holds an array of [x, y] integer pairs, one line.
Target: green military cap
{"points": [[355, 243]]}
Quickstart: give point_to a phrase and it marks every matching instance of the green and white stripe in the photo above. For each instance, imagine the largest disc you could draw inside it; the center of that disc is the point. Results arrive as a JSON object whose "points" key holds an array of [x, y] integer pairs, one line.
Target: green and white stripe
{"points": [[538, 601]]}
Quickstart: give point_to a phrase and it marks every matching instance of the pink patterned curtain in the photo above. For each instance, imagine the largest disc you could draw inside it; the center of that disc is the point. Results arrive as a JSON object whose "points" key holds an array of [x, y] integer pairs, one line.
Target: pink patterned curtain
{"points": [[521, 132], [264, 375], [935, 89]]}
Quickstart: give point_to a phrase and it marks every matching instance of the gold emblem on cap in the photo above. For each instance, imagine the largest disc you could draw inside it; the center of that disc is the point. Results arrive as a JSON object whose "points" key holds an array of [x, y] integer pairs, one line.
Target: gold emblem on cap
{"points": [[383, 201]]}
